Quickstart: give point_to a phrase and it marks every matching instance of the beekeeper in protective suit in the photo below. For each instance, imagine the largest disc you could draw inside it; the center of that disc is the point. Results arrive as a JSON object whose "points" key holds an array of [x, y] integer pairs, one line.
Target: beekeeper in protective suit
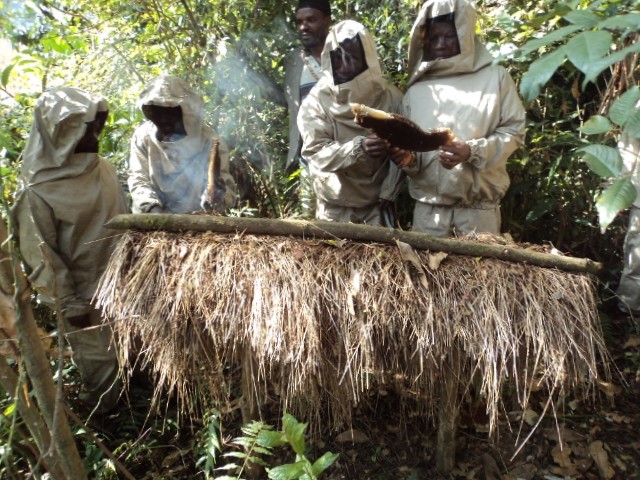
{"points": [[454, 84], [168, 166], [67, 193], [347, 163], [629, 289]]}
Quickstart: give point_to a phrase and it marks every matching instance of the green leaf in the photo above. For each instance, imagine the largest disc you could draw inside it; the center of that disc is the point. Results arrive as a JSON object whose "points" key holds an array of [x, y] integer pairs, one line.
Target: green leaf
{"points": [[632, 126], [262, 450], [271, 439], [213, 444], [244, 457], [57, 44], [289, 471], [555, 36], [597, 67], [595, 125], [294, 432], [614, 199], [559, 10], [27, 61], [625, 105], [588, 47], [256, 460], [235, 455], [253, 428], [243, 442], [76, 43], [5, 74], [583, 18], [539, 73], [604, 161], [229, 466], [539, 210], [324, 462], [10, 409], [629, 21]]}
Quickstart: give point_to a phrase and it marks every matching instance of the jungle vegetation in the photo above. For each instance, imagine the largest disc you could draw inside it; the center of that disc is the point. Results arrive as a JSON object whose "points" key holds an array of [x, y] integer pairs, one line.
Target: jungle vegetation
{"points": [[575, 62]]}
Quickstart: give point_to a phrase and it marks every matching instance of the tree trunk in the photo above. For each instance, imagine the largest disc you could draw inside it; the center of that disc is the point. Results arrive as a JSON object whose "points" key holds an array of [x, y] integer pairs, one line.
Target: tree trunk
{"points": [[30, 414], [249, 407], [37, 365], [448, 409], [350, 231]]}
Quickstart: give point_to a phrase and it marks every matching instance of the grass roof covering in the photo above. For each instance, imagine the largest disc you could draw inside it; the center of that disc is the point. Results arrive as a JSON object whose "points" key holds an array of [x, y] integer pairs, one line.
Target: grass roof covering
{"points": [[321, 322]]}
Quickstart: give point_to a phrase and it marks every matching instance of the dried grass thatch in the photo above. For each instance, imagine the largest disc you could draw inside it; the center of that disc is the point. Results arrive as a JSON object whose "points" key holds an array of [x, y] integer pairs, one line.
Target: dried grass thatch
{"points": [[321, 323]]}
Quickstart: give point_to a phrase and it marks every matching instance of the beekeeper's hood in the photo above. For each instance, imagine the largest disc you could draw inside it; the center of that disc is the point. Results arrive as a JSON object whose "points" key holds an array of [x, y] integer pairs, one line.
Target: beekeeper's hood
{"points": [[350, 60], [169, 91], [60, 120], [472, 55]]}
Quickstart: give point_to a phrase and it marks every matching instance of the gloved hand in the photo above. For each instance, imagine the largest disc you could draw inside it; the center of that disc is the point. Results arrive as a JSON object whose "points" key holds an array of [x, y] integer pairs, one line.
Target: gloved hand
{"points": [[80, 321], [388, 216]]}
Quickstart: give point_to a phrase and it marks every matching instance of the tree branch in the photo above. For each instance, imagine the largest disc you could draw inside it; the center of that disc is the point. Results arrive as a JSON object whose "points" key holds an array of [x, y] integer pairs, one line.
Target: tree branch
{"points": [[12, 279], [350, 231]]}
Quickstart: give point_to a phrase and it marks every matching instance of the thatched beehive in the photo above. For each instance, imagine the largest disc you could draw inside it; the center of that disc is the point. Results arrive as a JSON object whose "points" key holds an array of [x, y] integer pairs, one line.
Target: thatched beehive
{"points": [[322, 322]]}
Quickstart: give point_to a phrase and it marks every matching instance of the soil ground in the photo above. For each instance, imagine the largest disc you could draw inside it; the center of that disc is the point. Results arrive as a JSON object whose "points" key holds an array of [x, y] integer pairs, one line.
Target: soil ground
{"points": [[599, 440]]}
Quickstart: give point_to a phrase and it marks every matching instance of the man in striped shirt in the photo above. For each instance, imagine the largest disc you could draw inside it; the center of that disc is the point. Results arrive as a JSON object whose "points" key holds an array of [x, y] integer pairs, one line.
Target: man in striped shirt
{"points": [[302, 71]]}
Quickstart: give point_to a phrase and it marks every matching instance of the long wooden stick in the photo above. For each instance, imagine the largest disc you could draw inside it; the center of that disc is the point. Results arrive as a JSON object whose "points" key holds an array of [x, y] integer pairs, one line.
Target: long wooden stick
{"points": [[89, 433], [337, 231]]}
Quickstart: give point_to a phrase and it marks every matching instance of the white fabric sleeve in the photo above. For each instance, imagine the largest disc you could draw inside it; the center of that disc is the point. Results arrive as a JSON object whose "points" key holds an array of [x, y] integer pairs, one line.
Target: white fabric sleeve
{"points": [[143, 195], [39, 248], [496, 148], [319, 147]]}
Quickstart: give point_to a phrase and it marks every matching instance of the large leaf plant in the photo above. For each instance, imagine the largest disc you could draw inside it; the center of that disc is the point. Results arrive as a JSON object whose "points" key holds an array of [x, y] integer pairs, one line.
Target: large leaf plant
{"points": [[595, 38]]}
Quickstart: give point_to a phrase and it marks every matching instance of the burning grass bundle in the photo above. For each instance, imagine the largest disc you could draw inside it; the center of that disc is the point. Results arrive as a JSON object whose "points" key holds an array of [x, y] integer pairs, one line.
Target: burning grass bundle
{"points": [[321, 323]]}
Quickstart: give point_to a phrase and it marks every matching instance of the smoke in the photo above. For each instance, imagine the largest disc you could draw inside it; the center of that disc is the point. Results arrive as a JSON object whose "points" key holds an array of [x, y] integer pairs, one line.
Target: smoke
{"points": [[246, 92]]}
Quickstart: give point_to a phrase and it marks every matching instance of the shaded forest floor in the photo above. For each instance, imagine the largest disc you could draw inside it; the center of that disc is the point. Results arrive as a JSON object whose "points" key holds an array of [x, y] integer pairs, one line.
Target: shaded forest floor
{"points": [[386, 441]]}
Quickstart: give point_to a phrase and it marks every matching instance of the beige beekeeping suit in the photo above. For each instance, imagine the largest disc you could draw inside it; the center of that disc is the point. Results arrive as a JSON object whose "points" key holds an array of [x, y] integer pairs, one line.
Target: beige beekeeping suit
{"points": [[629, 289], [173, 175], [347, 182], [65, 198], [479, 102]]}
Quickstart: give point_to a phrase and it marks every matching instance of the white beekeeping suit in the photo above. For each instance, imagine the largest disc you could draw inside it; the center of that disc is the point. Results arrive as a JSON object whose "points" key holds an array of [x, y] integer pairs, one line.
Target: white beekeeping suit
{"points": [[346, 180], [170, 175], [629, 289], [65, 198], [461, 90]]}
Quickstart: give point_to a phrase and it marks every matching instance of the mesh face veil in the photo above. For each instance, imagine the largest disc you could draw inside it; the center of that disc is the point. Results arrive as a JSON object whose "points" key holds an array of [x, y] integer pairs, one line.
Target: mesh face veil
{"points": [[440, 38], [168, 121], [89, 142], [348, 60]]}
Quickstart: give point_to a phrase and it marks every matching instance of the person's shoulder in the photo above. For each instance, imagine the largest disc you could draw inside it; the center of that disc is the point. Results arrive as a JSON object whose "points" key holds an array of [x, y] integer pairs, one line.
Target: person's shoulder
{"points": [[317, 102], [106, 165], [494, 69], [293, 57], [293, 65], [320, 93], [501, 74]]}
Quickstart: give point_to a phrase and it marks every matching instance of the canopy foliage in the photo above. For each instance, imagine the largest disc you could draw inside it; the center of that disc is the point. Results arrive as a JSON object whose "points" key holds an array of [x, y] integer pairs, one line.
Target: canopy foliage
{"points": [[566, 57], [575, 63], [572, 61]]}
